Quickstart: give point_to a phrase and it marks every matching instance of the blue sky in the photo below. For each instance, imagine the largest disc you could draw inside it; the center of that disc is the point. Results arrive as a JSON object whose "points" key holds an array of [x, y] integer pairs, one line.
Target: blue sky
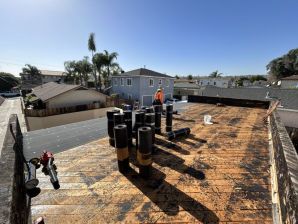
{"points": [[170, 36]]}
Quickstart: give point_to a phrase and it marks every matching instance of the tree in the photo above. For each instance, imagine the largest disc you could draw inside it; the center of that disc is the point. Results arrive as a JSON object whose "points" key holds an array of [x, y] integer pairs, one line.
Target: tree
{"points": [[189, 77], [71, 72], [92, 48], [254, 78], [239, 82], [8, 81], [85, 68], [31, 70], [109, 63], [99, 61], [284, 66], [215, 74], [177, 77]]}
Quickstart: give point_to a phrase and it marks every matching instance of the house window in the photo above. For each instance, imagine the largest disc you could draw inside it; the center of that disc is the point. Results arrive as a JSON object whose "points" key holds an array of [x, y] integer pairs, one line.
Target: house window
{"points": [[129, 97], [215, 83], [128, 82], [160, 82], [167, 83], [122, 81], [151, 82], [115, 82]]}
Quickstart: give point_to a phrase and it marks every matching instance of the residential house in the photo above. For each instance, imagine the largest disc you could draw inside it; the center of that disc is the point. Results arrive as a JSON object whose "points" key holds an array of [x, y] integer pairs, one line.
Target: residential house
{"points": [[32, 81], [141, 84], [222, 82], [183, 89], [290, 82], [53, 95]]}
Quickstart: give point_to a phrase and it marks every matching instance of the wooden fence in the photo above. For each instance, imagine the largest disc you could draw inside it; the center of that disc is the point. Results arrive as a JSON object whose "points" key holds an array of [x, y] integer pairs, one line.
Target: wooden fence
{"points": [[110, 102]]}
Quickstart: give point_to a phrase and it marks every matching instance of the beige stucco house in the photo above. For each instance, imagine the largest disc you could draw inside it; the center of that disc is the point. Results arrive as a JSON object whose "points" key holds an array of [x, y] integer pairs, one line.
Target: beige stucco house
{"points": [[53, 95], [290, 82]]}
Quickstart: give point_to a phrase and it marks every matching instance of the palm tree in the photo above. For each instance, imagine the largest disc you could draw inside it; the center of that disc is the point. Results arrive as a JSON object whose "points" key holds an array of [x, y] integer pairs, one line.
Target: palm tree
{"points": [[92, 48], [71, 71], [215, 74], [109, 63], [33, 72], [98, 61], [83, 68]]}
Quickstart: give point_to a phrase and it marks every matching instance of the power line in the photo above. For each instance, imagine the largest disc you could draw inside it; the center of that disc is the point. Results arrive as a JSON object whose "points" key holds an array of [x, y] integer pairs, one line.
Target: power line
{"points": [[24, 63]]}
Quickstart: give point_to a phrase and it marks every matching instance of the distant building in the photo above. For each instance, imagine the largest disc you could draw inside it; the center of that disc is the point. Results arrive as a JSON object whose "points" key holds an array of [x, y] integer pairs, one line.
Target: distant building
{"points": [[290, 82], [183, 89], [30, 81], [141, 84], [53, 95], [222, 82]]}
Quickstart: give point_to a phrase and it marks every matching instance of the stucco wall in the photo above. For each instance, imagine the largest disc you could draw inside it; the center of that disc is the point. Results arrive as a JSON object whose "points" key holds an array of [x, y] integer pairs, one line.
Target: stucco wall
{"points": [[289, 84], [124, 90], [289, 117], [35, 123], [76, 97], [147, 90], [140, 87]]}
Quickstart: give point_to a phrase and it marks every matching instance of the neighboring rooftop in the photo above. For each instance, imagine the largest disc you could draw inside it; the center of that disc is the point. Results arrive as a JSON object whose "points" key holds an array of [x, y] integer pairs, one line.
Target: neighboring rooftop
{"points": [[52, 73], [51, 89], [145, 72], [186, 85], [288, 97], [219, 174], [293, 77]]}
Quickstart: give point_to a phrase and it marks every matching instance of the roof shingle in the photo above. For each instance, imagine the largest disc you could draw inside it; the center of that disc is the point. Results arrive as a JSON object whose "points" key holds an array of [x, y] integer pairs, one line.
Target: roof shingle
{"points": [[52, 89]]}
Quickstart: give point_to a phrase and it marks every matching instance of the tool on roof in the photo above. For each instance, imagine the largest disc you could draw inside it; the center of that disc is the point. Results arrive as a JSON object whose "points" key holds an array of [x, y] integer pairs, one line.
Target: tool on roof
{"points": [[158, 110], [31, 181], [120, 133], [150, 122], [144, 153], [110, 116], [128, 122], [49, 168], [139, 122], [183, 132], [169, 117]]}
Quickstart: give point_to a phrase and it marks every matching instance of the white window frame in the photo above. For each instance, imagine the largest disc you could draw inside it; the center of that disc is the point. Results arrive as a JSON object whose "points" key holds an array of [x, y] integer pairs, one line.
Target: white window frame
{"points": [[122, 81], [127, 81], [152, 82], [115, 82]]}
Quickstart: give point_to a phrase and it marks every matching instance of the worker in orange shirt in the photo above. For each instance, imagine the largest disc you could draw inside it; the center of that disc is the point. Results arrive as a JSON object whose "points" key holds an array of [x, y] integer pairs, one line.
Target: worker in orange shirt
{"points": [[158, 97]]}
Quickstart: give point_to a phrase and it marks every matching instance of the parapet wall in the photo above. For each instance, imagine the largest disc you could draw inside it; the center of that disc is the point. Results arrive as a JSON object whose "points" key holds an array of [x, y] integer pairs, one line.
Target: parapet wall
{"points": [[1, 100], [286, 162], [228, 101], [12, 193]]}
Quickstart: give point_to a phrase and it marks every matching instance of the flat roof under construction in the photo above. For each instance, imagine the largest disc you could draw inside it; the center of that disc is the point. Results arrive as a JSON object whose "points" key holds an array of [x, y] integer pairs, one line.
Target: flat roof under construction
{"points": [[219, 174]]}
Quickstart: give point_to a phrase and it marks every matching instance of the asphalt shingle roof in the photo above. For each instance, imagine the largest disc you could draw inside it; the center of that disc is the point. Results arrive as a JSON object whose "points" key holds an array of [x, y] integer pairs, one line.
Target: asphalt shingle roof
{"points": [[52, 89], [51, 73], [145, 72], [288, 97], [293, 77]]}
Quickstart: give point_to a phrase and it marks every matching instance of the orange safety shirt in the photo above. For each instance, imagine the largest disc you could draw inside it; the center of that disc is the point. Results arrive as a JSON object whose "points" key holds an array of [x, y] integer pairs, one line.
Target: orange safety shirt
{"points": [[159, 96]]}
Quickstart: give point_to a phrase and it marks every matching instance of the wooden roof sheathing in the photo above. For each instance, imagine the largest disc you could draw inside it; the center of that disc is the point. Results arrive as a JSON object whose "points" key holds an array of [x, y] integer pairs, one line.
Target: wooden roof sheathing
{"points": [[220, 174]]}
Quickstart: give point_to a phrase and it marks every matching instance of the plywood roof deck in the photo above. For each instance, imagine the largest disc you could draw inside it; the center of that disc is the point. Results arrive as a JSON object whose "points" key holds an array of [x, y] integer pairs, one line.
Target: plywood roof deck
{"points": [[225, 179]]}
